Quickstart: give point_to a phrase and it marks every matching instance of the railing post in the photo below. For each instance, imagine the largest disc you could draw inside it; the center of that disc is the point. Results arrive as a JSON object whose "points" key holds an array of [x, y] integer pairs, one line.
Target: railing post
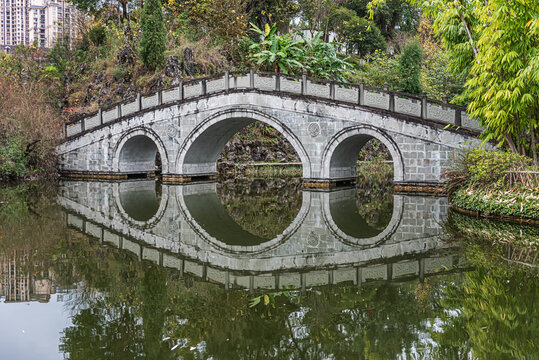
{"points": [[204, 87], [82, 125], [139, 102], [359, 277], [458, 117], [119, 110], [362, 92], [424, 105], [304, 84], [180, 89], [251, 78], [332, 88], [160, 97], [100, 116], [227, 83], [278, 82], [392, 101]]}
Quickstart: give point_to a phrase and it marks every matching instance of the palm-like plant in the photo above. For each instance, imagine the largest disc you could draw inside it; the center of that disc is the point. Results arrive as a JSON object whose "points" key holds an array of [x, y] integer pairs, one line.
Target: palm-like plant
{"points": [[293, 54], [280, 53]]}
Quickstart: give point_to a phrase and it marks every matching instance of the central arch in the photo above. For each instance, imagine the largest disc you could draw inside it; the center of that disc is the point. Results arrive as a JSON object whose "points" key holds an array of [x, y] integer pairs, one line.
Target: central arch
{"points": [[339, 158], [200, 150]]}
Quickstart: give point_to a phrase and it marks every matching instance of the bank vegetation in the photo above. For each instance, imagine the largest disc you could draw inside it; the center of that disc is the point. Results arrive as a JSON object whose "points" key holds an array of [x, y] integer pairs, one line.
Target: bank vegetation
{"points": [[495, 183]]}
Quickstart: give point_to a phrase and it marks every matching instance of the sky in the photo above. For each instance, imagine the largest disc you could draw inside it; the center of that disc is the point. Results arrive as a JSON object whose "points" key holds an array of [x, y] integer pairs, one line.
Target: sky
{"points": [[32, 330]]}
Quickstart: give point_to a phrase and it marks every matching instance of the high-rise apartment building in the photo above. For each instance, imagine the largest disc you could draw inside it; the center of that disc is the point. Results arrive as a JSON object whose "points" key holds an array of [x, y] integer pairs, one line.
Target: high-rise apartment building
{"points": [[40, 21], [13, 22]]}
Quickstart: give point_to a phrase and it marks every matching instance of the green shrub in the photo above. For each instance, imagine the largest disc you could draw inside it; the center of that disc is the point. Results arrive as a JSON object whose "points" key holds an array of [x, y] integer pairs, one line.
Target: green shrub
{"points": [[492, 167], [377, 69], [410, 68], [120, 73], [13, 160], [97, 35], [480, 168]]}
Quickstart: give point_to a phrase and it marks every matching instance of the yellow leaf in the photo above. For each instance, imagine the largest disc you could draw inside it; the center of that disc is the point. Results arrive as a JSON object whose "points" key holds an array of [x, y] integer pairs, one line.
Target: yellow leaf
{"points": [[266, 299]]}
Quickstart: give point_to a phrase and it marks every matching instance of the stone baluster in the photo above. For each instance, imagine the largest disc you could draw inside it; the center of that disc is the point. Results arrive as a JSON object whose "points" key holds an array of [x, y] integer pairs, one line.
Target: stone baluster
{"points": [[392, 101], [332, 88], [421, 270], [389, 272], [227, 84], [362, 92], [139, 105], [458, 117], [203, 87], [304, 84], [160, 97], [180, 89], [359, 277], [424, 105], [277, 82], [251, 78], [119, 111]]}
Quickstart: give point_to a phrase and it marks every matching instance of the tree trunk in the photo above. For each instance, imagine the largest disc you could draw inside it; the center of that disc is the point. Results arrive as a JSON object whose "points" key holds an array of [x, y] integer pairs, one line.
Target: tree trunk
{"points": [[534, 145], [510, 143], [469, 33]]}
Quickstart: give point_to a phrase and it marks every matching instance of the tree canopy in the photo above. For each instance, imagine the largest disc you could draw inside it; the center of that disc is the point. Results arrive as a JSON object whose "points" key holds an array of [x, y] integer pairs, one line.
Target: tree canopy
{"points": [[496, 43]]}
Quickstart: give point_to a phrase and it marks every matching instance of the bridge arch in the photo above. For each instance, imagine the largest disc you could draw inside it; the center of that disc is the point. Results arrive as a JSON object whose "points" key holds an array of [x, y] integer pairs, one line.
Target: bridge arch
{"points": [[136, 151], [339, 158], [201, 148]]}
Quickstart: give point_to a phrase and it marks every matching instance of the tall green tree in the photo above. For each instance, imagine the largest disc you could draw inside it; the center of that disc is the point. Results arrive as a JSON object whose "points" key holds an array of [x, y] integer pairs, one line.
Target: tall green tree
{"points": [[362, 36], [410, 68], [154, 35], [390, 17], [496, 43]]}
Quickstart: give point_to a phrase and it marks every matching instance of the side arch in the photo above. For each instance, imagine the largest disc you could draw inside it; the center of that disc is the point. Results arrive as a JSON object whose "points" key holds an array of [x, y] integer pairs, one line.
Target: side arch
{"points": [[340, 155], [141, 135], [199, 152], [145, 186]]}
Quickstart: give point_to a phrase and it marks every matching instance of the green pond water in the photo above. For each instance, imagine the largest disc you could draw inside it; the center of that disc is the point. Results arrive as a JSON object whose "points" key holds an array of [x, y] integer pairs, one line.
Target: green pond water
{"points": [[259, 269]]}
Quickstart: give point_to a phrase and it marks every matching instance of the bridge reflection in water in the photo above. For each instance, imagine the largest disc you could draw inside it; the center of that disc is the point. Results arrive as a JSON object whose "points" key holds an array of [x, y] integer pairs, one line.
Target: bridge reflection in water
{"points": [[187, 227]]}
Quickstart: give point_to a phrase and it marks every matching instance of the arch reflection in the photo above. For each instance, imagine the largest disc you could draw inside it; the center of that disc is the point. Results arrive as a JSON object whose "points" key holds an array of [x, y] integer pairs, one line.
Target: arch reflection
{"points": [[141, 202]]}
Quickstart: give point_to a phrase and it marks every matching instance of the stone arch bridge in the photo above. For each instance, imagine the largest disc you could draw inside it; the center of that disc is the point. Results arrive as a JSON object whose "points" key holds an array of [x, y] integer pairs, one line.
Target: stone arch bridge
{"points": [[326, 122]]}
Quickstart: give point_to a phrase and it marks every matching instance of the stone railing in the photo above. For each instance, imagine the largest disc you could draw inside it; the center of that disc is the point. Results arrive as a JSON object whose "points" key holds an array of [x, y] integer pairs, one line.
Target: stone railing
{"points": [[358, 94]]}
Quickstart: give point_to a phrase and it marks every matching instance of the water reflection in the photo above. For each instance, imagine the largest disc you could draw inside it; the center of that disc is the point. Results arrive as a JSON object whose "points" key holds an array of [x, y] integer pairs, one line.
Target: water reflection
{"points": [[144, 291], [140, 200], [193, 227]]}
